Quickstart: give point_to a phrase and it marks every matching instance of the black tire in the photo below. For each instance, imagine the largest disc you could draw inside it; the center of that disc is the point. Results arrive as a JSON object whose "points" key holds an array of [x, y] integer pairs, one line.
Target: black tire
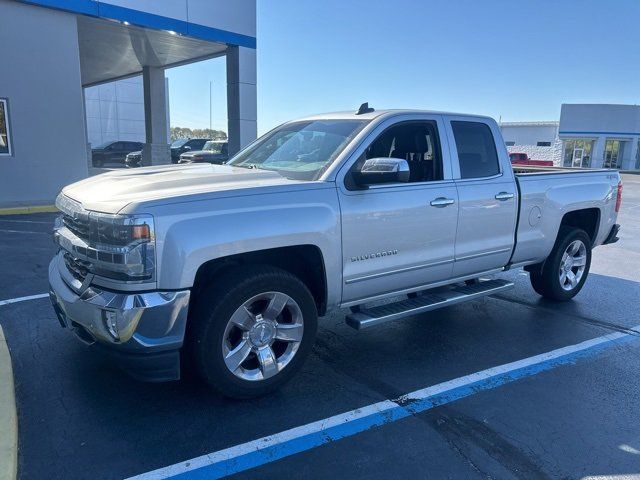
{"points": [[98, 163], [546, 281], [212, 311]]}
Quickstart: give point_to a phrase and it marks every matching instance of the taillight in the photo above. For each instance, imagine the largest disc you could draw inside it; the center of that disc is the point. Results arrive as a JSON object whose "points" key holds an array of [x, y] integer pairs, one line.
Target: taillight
{"points": [[619, 197]]}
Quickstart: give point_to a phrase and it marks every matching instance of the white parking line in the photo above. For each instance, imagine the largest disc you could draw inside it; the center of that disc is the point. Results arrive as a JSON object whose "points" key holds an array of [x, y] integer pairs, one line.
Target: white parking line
{"points": [[23, 231], [4, 220], [268, 449], [23, 299]]}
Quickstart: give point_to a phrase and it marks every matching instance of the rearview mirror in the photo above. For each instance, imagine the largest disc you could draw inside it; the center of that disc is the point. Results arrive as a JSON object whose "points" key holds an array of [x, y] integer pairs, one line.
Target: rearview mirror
{"points": [[382, 170]]}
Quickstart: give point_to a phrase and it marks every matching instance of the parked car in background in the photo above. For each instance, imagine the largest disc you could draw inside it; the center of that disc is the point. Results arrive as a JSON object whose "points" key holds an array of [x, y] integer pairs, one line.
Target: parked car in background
{"points": [[523, 159], [182, 145], [230, 265], [113, 153], [214, 151], [133, 159]]}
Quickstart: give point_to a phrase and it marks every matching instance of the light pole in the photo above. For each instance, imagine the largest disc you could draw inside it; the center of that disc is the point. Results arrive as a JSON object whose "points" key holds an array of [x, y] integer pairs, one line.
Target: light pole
{"points": [[210, 109]]}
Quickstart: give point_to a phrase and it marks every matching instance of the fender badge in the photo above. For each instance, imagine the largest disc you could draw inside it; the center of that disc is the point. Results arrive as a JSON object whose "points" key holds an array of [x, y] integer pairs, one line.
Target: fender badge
{"points": [[371, 256]]}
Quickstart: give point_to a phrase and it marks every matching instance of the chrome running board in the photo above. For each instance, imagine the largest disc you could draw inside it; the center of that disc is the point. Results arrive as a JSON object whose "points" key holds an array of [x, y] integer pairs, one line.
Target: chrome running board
{"points": [[425, 302]]}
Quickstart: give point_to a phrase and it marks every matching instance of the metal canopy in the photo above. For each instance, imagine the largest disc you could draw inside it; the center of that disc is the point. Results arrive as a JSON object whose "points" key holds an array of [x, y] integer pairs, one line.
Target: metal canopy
{"points": [[110, 49]]}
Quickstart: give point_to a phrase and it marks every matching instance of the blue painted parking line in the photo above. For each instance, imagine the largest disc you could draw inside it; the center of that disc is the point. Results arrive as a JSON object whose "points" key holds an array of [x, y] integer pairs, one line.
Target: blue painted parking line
{"points": [[299, 439]]}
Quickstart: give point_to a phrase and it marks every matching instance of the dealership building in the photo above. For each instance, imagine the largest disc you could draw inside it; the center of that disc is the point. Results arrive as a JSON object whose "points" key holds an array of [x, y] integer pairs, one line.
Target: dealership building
{"points": [[57, 51], [587, 136]]}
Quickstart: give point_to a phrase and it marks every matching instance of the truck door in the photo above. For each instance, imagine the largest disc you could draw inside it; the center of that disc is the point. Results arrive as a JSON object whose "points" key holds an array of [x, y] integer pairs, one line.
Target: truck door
{"points": [[398, 236], [488, 200]]}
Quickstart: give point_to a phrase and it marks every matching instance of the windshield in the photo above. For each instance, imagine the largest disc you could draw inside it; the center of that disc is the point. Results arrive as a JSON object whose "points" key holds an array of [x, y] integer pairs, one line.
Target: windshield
{"points": [[178, 143], [300, 150], [102, 145], [214, 147]]}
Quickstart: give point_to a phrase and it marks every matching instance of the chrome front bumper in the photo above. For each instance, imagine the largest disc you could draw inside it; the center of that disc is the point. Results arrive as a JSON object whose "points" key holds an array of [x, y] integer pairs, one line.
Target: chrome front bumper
{"points": [[150, 325]]}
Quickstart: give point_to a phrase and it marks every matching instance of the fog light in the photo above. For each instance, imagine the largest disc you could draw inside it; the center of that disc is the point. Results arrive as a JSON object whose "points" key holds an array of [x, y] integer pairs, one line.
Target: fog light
{"points": [[110, 319]]}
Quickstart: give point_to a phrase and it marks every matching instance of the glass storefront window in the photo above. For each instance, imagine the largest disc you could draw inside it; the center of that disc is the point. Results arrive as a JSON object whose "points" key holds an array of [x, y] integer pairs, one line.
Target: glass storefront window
{"points": [[577, 153], [613, 153], [5, 145], [638, 156]]}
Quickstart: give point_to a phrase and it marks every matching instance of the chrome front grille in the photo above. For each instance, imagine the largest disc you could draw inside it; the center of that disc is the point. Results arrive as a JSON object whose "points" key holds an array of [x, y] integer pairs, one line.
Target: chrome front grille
{"points": [[77, 268], [79, 226], [74, 217]]}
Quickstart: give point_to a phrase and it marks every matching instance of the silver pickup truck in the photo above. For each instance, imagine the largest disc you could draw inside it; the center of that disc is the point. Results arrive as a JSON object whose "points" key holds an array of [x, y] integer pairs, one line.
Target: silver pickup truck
{"points": [[226, 268]]}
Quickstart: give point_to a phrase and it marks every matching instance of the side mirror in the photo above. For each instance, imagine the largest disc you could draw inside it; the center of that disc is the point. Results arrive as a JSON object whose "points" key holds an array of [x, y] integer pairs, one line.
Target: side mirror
{"points": [[186, 147], [382, 170]]}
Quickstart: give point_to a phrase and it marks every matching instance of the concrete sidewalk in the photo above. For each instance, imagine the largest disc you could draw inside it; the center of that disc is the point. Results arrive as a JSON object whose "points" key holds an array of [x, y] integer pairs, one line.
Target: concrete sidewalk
{"points": [[8, 417]]}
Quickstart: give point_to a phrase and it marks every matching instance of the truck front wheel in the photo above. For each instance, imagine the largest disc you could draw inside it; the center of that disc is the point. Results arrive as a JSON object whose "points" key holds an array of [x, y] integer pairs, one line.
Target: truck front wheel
{"points": [[252, 330], [565, 270]]}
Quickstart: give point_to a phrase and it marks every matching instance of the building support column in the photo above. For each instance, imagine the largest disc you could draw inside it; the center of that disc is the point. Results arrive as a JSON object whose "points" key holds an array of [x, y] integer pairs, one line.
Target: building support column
{"points": [[630, 161], [90, 168], [156, 148], [241, 97], [597, 153]]}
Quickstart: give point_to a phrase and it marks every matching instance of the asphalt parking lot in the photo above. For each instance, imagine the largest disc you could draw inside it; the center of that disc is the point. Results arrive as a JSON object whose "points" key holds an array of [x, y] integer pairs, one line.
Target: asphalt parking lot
{"points": [[80, 417]]}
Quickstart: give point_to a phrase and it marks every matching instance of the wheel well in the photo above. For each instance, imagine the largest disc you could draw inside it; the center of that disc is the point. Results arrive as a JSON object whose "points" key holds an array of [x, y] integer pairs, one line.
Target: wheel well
{"points": [[303, 261], [587, 219]]}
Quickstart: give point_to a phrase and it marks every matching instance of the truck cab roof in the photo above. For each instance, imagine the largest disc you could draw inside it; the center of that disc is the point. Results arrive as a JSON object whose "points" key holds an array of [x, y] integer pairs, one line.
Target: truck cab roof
{"points": [[353, 115]]}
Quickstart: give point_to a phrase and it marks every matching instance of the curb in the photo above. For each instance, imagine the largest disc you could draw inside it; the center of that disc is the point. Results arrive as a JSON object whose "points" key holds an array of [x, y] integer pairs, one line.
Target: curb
{"points": [[8, 416], [27, 210]]}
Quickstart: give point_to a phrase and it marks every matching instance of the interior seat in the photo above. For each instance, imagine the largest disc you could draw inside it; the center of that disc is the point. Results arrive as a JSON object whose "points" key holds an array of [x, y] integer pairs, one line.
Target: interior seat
{"points": [[412, 146]]}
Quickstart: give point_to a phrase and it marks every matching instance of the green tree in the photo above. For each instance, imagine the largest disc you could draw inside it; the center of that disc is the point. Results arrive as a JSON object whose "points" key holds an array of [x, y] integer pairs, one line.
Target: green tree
{"points": [[181, 132]]}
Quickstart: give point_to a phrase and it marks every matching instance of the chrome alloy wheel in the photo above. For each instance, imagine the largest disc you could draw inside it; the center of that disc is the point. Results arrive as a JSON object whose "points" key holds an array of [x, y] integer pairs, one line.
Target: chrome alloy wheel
{"points": [[262, 336], [572, 265]]}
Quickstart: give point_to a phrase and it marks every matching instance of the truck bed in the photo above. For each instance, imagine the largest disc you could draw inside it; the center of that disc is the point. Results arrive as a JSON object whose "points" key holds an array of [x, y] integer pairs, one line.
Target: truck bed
{"points": [[548, 193]]}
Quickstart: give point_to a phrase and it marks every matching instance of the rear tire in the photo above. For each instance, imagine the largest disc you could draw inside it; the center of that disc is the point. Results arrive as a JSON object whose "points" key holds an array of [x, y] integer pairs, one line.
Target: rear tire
{"points": [[566, 268], [252, 330]]}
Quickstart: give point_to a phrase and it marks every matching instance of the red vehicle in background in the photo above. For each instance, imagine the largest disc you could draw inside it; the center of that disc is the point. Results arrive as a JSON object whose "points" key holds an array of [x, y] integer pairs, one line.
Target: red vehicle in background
{"points": [[523, 159]]}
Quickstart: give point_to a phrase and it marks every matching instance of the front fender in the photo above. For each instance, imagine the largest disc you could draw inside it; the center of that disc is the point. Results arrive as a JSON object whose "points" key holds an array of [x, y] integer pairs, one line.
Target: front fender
{"points": [[191, 233]]}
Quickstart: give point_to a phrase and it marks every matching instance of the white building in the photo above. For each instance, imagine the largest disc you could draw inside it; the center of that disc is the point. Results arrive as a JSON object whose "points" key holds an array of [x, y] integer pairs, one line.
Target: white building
{"points": [[115, 111], [57, 50], [587, 136], [600, 135], [539, 140]]}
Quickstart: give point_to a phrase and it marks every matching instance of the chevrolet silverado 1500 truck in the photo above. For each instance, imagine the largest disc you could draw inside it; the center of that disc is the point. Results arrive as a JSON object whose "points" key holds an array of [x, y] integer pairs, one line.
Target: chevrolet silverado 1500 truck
{"points": [[227, 267]]}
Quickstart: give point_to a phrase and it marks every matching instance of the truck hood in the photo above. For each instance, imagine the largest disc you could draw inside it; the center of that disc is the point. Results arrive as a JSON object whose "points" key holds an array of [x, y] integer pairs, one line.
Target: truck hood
{"points": [[112, 191]]}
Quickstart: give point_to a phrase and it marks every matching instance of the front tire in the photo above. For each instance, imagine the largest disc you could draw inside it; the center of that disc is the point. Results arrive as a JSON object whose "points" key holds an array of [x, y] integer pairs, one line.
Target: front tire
{"points": [[567, 267], [252, 330]]}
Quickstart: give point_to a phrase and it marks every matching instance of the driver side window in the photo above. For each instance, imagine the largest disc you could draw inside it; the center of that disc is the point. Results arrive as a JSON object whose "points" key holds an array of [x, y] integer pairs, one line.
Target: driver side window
{"points": [[417, 143]]}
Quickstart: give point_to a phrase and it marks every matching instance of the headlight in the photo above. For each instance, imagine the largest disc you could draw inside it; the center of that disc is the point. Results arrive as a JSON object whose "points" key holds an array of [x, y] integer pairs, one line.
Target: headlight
{"points": [[124, 246]]}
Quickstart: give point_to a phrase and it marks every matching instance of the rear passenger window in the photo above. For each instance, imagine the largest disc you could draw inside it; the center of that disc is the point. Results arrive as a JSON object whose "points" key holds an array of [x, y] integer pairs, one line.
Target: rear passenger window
{"points": [[476, 149]]}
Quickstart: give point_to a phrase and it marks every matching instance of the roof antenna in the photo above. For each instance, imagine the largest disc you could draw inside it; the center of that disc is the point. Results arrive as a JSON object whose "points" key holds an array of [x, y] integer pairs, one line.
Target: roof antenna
{"points": [[365, 108]]}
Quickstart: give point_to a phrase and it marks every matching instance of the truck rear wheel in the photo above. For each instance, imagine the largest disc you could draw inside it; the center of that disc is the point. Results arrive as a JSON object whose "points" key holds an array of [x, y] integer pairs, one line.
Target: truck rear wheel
{"points": [[252, 330], [567, 267]]}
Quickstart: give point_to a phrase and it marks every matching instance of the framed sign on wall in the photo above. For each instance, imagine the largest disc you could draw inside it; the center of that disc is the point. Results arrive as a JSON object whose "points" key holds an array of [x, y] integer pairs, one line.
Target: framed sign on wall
{"points": [[5, 137]]}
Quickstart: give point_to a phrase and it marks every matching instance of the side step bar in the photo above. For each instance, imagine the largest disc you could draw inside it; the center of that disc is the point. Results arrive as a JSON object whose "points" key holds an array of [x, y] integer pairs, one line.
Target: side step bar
{"points": [[366, 318]]}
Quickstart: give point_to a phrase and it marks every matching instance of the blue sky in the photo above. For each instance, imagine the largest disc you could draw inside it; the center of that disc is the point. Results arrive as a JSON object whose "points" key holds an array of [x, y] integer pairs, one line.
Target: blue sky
{"points": [[519, 60]]}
